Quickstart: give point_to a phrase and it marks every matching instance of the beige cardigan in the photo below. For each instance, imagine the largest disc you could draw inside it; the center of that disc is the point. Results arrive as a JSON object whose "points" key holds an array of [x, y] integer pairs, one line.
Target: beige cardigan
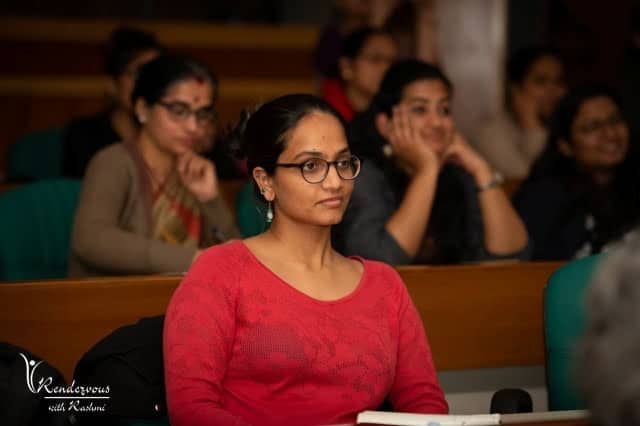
{"points": [[111, 231], [508, 148]]}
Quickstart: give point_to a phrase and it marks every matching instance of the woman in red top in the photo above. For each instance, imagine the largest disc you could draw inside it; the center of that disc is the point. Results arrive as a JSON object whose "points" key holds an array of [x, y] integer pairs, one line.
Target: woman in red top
{"points": [[280, 328], [366, 55]]}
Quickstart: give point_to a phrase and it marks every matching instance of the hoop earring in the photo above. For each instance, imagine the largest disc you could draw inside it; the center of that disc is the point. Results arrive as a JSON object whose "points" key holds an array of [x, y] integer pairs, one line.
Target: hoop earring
{"points": [[269, 213]]}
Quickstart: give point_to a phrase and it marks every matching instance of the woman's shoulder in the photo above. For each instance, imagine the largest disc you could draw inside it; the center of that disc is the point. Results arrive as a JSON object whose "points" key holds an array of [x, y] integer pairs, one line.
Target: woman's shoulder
{"points": [[232, 258], [384, 283], [116, 154], [227, 255], [113, 164], [380, 272], [220, 266]]}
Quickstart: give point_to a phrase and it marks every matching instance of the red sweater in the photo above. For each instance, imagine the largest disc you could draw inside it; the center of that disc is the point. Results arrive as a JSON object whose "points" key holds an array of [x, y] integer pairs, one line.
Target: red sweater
{"points": [[333, 92], [241, 347]]}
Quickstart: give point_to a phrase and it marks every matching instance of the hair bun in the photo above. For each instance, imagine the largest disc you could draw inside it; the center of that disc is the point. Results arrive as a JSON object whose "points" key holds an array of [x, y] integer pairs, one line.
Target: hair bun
{"points": [[234, 136]]}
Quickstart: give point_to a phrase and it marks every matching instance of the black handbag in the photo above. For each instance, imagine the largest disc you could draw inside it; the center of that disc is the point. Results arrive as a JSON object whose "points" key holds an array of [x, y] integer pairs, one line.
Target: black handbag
{"points": [[22, 401], [129, 361]]}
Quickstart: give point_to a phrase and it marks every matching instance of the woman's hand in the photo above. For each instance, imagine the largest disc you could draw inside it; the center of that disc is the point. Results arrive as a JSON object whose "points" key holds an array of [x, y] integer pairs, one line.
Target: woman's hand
{"points": [[460, 153], [408, 145], [526, 109], [198, 175]]}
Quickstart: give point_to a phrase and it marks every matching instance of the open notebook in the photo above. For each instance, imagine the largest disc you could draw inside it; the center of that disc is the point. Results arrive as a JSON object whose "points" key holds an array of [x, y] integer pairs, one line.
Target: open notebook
{"points": [[407, 419]]}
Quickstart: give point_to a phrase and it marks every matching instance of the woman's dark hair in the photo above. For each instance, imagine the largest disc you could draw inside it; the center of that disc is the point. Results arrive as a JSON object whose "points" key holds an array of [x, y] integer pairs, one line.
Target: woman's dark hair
{"points": [[125, 44], [552, 163], [401, 25], [262, 136], [520, 63], [447, 223], [617, 206], [155, 77], [363, 134], [353, 43]]}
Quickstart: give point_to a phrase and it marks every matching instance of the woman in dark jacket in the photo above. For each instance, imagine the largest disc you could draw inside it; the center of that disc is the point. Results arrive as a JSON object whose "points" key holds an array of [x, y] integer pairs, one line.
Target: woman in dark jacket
{"points": [[582, 192], [423, 196]]}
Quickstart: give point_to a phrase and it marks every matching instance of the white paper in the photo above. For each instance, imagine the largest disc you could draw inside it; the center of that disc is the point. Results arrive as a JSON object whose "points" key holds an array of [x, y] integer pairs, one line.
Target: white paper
{"points": [[408, 419]]}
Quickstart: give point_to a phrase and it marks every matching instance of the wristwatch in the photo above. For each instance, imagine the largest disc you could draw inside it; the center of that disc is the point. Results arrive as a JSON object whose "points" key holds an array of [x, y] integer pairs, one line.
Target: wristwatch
{"points": [[496, 180]]}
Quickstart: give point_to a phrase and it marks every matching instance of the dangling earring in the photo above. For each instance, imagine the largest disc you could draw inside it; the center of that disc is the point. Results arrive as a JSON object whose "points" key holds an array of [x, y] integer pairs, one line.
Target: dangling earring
{"points": [[269, 213]]}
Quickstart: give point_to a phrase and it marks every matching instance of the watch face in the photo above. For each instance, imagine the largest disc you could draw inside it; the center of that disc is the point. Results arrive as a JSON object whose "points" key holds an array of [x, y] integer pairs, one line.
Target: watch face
{"points": [[496, 179]]}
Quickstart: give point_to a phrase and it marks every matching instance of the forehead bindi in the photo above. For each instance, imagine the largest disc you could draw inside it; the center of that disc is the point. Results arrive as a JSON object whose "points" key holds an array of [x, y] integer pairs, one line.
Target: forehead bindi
{"points": [[192, 91]]}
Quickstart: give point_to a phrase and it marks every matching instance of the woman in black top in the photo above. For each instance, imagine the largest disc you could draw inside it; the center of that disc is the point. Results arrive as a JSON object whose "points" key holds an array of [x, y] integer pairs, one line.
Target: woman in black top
{"points": [[423, 195], [582, 192], [128, 50]]}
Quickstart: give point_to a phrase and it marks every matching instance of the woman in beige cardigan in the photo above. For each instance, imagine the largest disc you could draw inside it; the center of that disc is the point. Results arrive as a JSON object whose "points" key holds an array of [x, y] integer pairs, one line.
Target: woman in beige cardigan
{"points": [[512, 140], [150, 205]]}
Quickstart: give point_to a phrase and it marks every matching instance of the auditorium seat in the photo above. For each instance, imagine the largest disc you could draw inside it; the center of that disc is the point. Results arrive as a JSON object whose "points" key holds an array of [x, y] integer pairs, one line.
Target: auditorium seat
{"points": [[35, 224], [563, 326], [250, 212], [37, 155]]}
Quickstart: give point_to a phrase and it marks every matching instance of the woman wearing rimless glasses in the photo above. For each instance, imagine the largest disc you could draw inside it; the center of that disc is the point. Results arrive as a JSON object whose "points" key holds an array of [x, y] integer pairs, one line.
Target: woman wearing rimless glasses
{"points": [[583, 190], [150, 205], [280, 328]]}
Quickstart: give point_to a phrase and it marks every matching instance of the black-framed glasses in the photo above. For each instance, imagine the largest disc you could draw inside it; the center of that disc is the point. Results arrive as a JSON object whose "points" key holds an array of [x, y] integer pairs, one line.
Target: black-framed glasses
{"points": [[316, 170], [180, 111]]}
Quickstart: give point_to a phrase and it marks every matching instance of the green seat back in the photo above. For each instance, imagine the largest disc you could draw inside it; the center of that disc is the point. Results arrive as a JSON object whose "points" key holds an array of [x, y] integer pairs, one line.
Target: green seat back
{"points": [[250, 212], [36, 156], [35, 225], [563, 326]]}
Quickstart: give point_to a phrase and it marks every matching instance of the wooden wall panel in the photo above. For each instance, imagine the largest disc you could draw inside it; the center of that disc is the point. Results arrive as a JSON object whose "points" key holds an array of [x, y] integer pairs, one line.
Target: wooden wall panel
{"points": [[492, 309], [28, 104], [479, 316], [76, 46], [72, 58]]}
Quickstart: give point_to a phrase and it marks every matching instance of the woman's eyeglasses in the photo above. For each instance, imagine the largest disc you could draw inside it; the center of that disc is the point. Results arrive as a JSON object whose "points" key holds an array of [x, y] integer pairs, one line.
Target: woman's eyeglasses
{"points": [[316, 170], [180, 112]]}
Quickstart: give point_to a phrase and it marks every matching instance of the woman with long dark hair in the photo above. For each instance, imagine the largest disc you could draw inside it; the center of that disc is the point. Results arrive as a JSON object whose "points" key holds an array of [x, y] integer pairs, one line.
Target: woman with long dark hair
{"points": [[366, 55], [583, 190], [424, 195]]}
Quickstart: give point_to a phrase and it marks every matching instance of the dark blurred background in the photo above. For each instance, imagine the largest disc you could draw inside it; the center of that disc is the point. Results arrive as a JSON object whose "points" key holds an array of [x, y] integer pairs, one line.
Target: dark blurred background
{"points": [[40, 39]]}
